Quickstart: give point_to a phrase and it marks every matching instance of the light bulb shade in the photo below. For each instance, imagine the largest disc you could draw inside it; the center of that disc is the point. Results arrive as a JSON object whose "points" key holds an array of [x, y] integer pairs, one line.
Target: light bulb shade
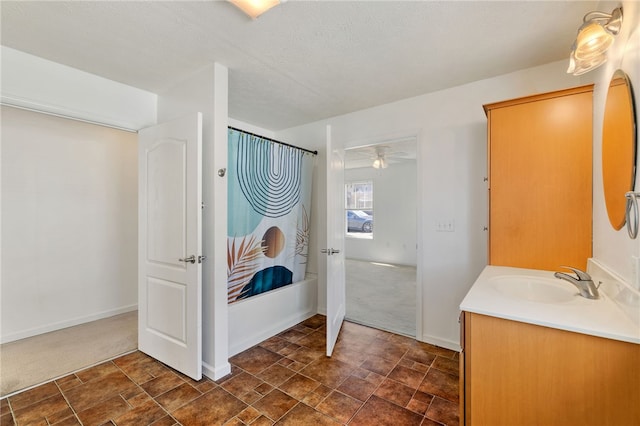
{"points": [[595, 36], [380, 163], [579, 66], [592, 41], [255, 8]]}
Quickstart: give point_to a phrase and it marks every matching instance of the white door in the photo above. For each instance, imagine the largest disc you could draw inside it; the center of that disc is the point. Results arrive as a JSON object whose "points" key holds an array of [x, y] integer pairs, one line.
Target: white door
{"points": [[170, 243], [336, 294]]}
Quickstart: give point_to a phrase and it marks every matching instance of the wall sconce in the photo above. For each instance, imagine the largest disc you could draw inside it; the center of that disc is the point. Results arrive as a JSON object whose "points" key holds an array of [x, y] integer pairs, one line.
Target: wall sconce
{"points": [[255, 8], [595, 35]]}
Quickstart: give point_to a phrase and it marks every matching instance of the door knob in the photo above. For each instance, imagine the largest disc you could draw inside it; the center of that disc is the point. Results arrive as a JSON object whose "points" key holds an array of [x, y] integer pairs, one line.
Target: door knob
{"points": [[191, 259]]}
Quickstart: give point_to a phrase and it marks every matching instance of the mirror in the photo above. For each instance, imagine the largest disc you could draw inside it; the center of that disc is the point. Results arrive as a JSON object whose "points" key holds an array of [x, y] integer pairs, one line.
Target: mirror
{"points": [[618, 147]]}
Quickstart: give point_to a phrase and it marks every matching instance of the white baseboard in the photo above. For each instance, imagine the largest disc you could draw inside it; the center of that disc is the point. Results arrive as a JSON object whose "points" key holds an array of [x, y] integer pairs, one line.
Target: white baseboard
{"points": [[215, 373], [443, 343], [66, 323]]}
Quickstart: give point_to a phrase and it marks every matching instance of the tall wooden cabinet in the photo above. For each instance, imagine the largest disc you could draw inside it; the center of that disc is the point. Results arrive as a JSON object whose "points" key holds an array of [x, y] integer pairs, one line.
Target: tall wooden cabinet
{"points": [[540, 180]]}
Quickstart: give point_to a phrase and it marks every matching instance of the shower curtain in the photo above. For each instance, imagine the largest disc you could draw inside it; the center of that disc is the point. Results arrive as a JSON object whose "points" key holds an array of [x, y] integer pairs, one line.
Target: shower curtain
{"points": [[269, 194]]}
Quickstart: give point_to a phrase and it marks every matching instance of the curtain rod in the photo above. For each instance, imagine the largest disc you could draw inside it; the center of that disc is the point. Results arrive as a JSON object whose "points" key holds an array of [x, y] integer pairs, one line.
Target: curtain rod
{"points": [[273, 140]]}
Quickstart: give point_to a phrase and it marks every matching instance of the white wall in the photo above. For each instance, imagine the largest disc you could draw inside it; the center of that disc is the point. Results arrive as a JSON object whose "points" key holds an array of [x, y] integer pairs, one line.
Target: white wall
{"points": [[36, 83], [251, 128], [614, 249], [69, 223], [394, 216], [206, 91], [451, 130]]}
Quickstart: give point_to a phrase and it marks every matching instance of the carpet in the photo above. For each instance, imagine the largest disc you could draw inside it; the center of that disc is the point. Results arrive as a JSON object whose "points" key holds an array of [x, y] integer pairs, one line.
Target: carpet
{"points": [[381, 295], [39, 359]]}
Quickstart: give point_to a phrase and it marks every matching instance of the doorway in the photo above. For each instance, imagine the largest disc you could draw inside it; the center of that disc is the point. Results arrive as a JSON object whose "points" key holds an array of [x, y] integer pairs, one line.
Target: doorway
{"points": [[69, 246], [381, 235]]}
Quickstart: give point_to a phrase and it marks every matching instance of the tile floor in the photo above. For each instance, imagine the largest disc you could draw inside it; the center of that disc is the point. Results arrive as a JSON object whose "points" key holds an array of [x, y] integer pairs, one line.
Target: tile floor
{"points": [[374, 378]]}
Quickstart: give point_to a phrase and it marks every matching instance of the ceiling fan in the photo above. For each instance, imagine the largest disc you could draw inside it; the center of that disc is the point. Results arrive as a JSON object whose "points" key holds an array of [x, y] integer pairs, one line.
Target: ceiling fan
{"points": [[383, 155], [380, 162], [380, 156]]}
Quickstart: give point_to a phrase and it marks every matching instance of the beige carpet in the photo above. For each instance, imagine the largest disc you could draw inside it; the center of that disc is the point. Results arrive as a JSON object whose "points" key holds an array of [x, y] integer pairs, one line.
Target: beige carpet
{"points": [[28, 362], [381, 295]]}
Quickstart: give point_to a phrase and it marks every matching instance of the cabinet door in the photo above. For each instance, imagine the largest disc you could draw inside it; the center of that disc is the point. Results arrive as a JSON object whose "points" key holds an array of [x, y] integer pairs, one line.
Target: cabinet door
{"points": [[540, 182], [528, 375]]}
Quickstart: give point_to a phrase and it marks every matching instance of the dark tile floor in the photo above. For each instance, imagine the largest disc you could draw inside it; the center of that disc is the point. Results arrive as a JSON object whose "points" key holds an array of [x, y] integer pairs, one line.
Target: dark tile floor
{"points": [[374, 378]]}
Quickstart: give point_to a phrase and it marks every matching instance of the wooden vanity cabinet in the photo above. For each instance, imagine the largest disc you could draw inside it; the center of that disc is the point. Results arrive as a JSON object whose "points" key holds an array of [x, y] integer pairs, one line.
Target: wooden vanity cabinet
{"points": [[514, 373], [540, 180]]}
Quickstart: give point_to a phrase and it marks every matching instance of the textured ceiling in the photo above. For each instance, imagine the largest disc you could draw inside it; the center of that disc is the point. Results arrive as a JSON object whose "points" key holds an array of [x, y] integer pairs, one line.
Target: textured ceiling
{"points": [[303, 60]]}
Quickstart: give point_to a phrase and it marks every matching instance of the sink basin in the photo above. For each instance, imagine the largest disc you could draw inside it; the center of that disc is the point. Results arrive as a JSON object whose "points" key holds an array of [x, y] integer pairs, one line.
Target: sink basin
{"points": [[534, 289]]}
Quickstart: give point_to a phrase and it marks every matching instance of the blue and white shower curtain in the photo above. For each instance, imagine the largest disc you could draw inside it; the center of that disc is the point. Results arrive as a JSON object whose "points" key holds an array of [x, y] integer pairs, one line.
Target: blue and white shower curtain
{"points": [[269, 209]]}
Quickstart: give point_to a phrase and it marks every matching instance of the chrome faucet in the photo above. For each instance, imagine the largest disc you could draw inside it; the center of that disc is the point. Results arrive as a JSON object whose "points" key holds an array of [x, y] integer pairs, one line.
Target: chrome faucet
{"points": [[582, 280]]}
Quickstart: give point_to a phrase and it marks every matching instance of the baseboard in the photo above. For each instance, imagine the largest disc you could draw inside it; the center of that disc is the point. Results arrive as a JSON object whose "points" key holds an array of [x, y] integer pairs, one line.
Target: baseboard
{"points": [[443, 343], [67, 323], [215, 373]]}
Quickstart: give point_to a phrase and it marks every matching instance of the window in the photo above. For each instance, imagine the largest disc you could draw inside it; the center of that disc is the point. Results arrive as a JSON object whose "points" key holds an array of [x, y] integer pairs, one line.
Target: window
{"points": [[359, 209]]}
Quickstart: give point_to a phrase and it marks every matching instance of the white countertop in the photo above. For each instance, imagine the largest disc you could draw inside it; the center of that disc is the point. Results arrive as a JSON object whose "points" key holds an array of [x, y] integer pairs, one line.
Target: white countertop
{"points": [[602, 317]]}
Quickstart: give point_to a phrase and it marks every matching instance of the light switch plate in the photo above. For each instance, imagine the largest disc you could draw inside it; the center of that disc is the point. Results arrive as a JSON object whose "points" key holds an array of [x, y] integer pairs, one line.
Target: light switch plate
{"points": [[447, 225]]}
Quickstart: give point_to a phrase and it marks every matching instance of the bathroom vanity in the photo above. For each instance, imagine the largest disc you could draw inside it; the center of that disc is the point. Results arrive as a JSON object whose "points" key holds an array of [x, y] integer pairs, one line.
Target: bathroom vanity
{"points": [[534, 350], [536, 353]]}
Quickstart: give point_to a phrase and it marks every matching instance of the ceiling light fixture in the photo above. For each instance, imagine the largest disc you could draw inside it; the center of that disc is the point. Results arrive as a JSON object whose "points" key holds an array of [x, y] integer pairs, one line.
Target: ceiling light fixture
{"points": [[380, 162], [255, 8], [595, 35]]}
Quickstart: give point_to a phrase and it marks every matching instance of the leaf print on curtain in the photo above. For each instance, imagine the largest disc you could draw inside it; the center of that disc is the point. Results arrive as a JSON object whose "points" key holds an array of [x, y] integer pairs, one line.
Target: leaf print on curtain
{"points": [[269, 197]]}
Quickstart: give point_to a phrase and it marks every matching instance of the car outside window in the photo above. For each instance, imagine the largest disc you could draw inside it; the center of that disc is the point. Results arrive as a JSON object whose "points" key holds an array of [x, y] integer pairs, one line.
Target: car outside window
{"points": [[359, 209]]}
